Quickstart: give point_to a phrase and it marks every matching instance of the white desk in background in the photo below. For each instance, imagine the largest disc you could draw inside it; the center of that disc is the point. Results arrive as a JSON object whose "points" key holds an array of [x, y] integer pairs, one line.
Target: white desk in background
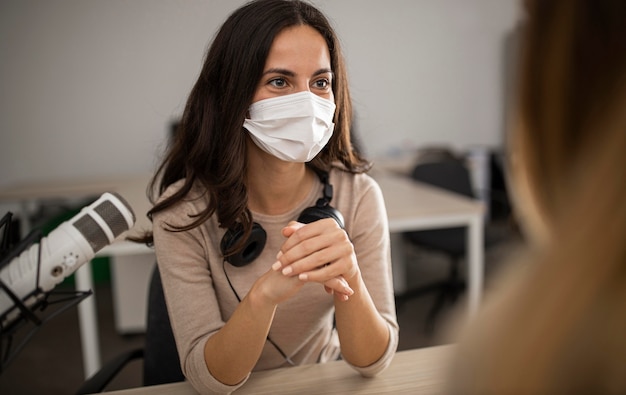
{"points": [[420, 371], [410, 206], [416, 206], [122, 253]]}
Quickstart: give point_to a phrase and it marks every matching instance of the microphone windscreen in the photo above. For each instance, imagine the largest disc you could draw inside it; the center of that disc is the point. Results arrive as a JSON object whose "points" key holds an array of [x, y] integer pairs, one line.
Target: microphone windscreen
{"points": [[113, 217]]}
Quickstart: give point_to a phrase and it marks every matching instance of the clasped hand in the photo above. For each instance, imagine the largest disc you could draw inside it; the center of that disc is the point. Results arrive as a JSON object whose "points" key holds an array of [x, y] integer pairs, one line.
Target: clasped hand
{"points": [[319, 252]]}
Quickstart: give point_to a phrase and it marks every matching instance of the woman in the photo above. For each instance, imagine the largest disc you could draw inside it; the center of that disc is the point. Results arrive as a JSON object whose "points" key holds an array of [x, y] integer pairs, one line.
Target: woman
{"points": [[557, 325], [264, 205]]}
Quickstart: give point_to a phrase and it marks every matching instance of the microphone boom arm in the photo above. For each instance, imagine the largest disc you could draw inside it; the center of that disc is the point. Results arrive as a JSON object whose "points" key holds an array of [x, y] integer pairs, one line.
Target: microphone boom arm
{"points": [[10, 343]]}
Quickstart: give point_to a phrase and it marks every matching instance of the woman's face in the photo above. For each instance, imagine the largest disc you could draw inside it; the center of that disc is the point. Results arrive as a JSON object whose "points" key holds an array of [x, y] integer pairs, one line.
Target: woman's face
{"points": [[299, 60]]}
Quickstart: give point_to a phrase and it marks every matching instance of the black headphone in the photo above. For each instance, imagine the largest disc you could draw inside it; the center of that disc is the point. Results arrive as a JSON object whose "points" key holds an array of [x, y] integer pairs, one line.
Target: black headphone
{"points": [[256, 242]]}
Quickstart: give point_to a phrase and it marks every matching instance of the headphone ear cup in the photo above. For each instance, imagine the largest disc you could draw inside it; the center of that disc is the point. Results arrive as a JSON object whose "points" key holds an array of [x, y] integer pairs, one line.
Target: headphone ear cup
{"points": [[252, 248], [314, 213]]}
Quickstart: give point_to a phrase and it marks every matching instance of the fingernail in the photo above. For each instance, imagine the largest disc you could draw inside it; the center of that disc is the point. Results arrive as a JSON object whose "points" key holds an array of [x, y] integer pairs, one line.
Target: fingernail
{"points": [[303, 277], [277, 265], [287, 270], [280, 253]]}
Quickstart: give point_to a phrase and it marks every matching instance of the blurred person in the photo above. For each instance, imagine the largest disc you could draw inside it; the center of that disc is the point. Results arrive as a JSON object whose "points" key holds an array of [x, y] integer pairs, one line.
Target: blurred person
{"points": [[555, 323], [272, 241]]}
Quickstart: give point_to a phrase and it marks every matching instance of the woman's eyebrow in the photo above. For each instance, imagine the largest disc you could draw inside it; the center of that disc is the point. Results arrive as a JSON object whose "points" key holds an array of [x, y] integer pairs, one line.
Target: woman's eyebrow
{"points": [[290, 73], [286, 72], [324, 71]]}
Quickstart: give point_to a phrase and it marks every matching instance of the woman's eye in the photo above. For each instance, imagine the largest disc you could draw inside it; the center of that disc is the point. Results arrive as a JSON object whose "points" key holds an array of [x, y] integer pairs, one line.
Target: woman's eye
{"points": [[322, 84], [278, 82]]}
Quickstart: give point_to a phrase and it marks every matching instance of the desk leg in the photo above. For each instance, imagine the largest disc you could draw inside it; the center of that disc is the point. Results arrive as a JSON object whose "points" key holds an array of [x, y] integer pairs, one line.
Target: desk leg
{"points": [[398, 262], [130, 281], [88, 322], [475, 249], [25, 225]]}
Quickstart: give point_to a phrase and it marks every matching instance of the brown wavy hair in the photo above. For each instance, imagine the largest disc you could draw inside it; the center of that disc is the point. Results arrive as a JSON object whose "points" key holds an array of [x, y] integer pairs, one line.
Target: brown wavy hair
{"points": [[209, 144], [557, 323]]}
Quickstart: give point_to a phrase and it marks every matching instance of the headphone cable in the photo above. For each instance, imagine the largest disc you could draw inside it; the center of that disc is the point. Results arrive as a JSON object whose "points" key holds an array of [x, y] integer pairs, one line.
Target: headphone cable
{"points": [[284, 355]]}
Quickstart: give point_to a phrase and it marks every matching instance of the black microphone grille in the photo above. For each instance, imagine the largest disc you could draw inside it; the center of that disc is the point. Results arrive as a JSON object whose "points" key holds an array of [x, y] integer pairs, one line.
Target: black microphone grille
{"points": [[112, 210], [92, 232], [113, 216]]}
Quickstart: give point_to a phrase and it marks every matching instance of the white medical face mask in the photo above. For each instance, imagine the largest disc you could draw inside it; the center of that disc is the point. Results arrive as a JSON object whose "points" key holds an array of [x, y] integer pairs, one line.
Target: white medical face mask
{"points": [[293, 127]]}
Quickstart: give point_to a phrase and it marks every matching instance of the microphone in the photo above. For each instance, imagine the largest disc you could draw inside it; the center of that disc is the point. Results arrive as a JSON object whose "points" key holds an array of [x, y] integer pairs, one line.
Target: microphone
{"points": [[73, 243]]}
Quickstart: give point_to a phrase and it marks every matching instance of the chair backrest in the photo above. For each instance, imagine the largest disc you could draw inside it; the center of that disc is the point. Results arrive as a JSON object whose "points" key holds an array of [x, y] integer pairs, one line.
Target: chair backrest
{"points": [[161, 361], [448, 173]]}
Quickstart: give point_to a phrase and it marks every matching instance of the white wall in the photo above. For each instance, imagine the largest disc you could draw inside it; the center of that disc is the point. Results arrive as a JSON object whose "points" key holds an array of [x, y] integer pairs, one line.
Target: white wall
{"points": [[426, 71], [88, 88]]}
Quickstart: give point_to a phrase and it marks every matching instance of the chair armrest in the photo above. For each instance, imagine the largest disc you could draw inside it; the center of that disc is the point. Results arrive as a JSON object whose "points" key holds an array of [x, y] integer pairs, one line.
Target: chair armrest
{"points": [[103, 377]]}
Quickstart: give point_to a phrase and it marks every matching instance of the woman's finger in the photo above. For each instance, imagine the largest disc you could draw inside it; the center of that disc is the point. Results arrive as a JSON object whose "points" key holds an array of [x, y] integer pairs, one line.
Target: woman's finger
{"points": [[339, 286]]}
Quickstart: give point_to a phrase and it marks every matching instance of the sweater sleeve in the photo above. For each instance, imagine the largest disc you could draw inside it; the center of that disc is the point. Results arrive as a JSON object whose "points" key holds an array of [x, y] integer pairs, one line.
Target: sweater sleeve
{"points": [[369, 232], [190, 296]]}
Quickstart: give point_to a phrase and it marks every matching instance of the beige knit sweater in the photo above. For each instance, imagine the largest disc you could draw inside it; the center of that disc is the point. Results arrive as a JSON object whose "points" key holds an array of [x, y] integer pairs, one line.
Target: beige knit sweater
{"points": [[200, 300]]}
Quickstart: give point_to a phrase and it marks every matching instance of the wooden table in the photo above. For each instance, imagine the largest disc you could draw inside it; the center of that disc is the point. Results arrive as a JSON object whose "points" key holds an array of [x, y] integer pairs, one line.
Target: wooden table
{"points": [[420, 371]]}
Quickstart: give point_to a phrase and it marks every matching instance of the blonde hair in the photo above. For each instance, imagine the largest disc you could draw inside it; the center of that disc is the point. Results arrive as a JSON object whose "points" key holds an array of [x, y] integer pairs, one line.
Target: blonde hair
{"points": [[557, 324]]}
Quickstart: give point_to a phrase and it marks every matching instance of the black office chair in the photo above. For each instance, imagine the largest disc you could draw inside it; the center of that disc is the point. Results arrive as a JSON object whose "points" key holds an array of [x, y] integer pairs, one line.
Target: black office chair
{"points": [[444, 170], [161, 364]]}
